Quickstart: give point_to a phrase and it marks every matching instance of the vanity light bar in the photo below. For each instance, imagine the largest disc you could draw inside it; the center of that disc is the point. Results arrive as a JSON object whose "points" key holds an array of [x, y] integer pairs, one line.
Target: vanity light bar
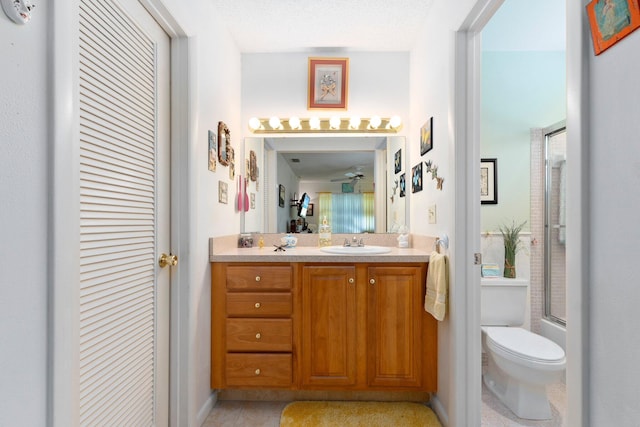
{"points": [[333, 124]]}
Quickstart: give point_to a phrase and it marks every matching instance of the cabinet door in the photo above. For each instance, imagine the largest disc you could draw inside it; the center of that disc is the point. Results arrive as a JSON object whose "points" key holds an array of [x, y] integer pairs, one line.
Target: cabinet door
{"points": [[328, 355], [394, 326]]}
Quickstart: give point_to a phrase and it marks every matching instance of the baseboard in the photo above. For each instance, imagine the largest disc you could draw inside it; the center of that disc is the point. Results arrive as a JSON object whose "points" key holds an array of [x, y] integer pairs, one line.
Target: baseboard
{"points": [[204, 411], [436, 405]]}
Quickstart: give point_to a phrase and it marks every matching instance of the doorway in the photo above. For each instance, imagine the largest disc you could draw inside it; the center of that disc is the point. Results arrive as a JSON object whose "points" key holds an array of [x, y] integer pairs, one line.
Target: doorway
{"points": [[467, 226]]}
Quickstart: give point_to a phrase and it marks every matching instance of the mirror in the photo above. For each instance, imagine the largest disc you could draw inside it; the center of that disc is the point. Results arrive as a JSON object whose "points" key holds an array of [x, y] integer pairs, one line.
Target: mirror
{"points": [[339, 165]]}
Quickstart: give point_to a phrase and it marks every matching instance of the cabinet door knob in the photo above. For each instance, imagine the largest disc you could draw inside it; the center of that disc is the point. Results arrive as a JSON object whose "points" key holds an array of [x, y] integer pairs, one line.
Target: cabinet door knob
{"points": [[372, 281], [257, 305], [257, 278], [258, 336], [258, 371], [351, 280]]}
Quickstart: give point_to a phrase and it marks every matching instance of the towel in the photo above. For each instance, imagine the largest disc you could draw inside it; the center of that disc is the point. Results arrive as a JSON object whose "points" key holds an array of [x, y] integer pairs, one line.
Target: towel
{"points": [[435, 300]]}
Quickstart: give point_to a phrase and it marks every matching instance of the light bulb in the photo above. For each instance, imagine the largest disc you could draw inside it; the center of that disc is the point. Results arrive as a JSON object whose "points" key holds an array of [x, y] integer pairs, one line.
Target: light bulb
{"points": [[395, 122], [254, 123], [314, 123], [334, 122], [294, 123], [274, 122], [354, 122], [375, 122]]}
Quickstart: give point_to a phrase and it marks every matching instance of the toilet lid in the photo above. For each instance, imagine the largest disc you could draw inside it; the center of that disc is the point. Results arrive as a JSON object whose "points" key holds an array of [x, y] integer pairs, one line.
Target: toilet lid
{"points": [[525, 344]]}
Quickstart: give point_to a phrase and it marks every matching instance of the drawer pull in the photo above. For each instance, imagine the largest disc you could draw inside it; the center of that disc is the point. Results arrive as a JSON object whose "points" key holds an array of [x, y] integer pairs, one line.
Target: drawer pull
{"points": [[351, 280], [258, 371], [257, 278], [258, 336], [257, 305], [372, 281]]}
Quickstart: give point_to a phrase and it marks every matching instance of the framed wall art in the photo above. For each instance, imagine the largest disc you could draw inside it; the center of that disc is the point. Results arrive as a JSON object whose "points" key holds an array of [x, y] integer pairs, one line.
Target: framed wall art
{"points": [[397, 161], [403, 185], [328, 83], [224, 144], [310, 210], [281, 193], [347, 187], [611, 21], [212, 151], [223, 192], [416, 178], [489, 181], [426, 137]]}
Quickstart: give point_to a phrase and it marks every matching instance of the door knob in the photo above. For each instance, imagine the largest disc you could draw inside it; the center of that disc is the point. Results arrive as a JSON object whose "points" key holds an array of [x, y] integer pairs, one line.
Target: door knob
{"points": [[168, 260]]}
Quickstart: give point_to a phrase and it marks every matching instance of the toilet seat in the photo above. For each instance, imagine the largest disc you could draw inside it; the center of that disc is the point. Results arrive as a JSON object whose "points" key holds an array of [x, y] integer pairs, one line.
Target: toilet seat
{"points": [[521, 345]]}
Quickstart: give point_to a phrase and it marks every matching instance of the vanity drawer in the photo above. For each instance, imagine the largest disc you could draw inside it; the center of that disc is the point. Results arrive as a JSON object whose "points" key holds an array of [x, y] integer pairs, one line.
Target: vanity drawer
{"points": [[257, 369], [256, 304], [259, 335], [259, 278]]}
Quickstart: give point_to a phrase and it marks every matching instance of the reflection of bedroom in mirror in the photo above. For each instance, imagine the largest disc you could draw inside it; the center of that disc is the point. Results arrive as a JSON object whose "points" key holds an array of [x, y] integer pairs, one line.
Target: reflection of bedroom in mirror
{"points": [[347, 179]]}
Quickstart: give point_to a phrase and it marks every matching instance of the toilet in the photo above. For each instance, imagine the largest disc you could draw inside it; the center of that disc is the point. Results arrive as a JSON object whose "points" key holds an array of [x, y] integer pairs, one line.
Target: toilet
{"points": [[521, 363]]}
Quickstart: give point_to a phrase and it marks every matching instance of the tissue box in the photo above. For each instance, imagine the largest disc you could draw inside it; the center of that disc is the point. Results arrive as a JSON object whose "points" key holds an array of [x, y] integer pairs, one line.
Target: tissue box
{"points": [[490, 270]]}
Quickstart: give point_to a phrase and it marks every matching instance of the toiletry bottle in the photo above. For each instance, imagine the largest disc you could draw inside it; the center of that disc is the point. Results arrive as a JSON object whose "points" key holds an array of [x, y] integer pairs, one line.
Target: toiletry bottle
{"points": [[261, 242], [324, 233]]}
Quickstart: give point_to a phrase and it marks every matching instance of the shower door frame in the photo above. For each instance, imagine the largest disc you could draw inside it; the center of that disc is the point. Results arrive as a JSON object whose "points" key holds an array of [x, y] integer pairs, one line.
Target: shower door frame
{"points": [[548, 133]]}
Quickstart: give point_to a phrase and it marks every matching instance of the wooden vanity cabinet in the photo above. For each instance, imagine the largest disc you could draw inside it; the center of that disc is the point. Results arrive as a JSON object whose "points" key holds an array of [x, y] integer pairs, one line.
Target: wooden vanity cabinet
{"points": [[364, 328], [322, 327], [251, 326]]}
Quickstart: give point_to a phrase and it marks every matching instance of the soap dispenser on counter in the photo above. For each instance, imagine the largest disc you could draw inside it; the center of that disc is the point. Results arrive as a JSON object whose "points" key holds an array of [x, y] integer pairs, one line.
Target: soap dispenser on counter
{"points": [[403, 238], [324, 233]]}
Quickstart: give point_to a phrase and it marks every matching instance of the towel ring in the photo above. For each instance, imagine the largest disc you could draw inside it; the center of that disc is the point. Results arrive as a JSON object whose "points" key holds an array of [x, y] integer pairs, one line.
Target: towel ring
{"points": [[442, 242]]}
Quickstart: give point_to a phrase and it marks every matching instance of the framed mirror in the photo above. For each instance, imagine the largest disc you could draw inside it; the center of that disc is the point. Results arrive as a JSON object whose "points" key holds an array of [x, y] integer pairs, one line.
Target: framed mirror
{"points": [[224, 144], [319, 164]]}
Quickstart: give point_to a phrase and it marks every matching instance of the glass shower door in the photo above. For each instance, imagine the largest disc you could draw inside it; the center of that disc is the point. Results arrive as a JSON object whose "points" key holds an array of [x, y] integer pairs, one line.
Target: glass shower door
{"points": [[555, 226]]}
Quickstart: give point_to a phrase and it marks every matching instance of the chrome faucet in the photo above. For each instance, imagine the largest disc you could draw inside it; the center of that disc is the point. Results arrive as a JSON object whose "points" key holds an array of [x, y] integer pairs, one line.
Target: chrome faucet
{"points": [[353, 243]]}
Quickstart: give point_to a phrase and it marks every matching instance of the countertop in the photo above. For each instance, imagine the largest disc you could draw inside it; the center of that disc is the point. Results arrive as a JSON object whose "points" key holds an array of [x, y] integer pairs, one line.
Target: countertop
{"points": [[314, 254]]}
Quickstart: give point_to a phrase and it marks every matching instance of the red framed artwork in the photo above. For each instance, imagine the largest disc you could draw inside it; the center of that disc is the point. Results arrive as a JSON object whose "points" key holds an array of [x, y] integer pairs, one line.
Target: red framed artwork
{"points": [[328, 83], [611, 21]]}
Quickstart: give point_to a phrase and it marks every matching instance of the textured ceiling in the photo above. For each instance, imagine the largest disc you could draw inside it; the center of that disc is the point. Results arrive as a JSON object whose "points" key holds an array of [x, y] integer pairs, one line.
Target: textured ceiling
{"points": [[327, 25]]}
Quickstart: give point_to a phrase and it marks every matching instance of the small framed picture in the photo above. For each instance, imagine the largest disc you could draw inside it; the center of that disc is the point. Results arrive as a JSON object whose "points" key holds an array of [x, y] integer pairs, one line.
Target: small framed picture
{"points": [[347, 187], [212, 151], [489, 181], [397, 161], [310, 210], [426, 137], [223, 192], [281, 193], [611, 21], [403, 185], [328, 83], [224, 144], [416, 178]]}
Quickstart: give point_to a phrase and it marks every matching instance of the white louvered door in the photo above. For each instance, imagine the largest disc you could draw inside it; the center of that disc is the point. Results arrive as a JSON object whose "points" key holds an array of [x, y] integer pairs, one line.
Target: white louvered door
{"points": [[124, 206]]}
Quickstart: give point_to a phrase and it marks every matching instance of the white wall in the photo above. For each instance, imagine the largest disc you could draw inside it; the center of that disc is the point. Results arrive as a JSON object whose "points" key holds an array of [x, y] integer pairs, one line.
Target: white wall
{"points": [[520, 90], [432, 92], [614, 169], [276, 85], [23, 245], [290, 181]]}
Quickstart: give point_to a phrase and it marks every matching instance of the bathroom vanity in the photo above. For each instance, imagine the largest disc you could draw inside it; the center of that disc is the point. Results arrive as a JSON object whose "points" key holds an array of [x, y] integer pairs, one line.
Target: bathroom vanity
{"points": [[305, 320]]}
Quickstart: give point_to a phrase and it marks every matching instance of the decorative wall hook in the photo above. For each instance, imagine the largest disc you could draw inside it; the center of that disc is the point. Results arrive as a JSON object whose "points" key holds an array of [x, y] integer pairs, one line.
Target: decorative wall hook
{"points": [[19, 11]]}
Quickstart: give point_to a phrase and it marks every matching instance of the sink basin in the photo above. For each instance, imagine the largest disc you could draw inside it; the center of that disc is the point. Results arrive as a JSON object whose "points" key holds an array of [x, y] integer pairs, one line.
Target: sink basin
{"points": [[356, 250]]}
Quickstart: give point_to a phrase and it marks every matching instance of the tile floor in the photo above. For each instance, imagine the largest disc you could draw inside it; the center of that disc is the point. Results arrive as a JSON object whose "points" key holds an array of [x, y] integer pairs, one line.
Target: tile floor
{"points": [[233, 413]]}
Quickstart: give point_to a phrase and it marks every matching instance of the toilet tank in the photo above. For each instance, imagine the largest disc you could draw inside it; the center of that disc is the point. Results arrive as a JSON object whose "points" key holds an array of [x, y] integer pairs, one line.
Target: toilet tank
{"points": [[503, 302]]}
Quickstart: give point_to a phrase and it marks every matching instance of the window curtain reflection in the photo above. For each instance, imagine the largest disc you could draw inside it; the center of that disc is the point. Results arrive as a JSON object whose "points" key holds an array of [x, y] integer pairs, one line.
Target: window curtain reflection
{"points": [[348, 212]]}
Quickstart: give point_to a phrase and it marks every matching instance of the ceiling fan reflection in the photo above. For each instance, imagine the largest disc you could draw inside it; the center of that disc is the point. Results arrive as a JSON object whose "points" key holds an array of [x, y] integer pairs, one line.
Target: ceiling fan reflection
{"points": [[350, 176]]}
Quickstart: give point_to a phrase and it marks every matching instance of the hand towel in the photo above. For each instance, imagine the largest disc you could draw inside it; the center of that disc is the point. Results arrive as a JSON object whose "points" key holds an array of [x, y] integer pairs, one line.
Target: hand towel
{"points": [[435, 300]]}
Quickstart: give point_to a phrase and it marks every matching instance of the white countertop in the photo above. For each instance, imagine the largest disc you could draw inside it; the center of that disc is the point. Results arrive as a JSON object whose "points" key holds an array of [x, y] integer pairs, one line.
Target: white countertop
{"points": [[314, 254]]}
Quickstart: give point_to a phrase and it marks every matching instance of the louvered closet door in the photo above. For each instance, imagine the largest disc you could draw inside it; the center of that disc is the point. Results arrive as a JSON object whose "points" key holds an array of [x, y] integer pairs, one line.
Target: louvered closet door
{"points": [[124, 195]]}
